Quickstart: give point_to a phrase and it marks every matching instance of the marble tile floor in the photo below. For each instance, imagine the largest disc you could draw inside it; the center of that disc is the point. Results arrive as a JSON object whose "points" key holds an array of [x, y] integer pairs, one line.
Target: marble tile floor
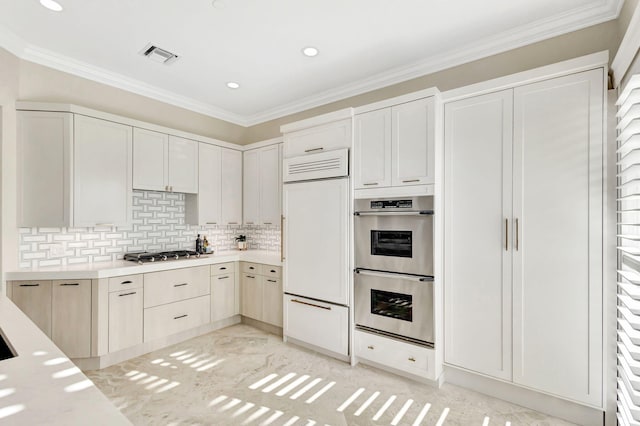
{"points": [[243, 376]]}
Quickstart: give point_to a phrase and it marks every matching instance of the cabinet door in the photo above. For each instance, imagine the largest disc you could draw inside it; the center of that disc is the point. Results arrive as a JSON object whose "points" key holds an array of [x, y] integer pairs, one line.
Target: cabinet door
{"points": [[372, 149], [150, 160], [223, 296], [272, 301], [478, 144], [125, 319], [71, 317], [316, 238], [270, 184], [325, 137], [413, 143], [44, 156], [102, 167], [252, 293], [557, 288], [209, 185], [251, 187], [183, 165], [34, 299], [231, 201]]}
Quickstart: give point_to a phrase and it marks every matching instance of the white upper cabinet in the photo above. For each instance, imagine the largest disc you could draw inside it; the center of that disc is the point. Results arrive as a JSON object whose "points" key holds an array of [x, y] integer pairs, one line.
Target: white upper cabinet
{"points": [[262, 185], [73, 170], [164, 162], [322, 133], [372, 147], [231, 175], [205, 207], [150, 160], [394, 145], [102, 173], [413, 143]]}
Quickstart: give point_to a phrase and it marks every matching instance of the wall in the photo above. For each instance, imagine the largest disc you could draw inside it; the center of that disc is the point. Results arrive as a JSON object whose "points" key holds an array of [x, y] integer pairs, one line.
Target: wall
{"points": [[589, 40], [157, 225]]}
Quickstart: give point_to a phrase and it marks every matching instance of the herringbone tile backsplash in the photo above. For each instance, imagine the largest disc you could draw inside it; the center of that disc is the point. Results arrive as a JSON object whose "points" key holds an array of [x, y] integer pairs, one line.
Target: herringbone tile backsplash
{"points": [[158, 224]]}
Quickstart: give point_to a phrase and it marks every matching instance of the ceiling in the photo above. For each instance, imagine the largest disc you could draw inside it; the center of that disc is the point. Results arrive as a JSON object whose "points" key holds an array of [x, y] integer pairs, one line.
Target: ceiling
{"points": [[363, 44]]}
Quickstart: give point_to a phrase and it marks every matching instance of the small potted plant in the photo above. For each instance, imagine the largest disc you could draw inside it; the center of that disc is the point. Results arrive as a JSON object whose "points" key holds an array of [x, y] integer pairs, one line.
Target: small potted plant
{"points": [[242, 242]]}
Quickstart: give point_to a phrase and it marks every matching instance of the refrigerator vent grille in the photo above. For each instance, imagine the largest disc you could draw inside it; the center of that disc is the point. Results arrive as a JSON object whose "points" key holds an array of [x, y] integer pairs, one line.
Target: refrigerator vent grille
{"points": [[323, 165]]}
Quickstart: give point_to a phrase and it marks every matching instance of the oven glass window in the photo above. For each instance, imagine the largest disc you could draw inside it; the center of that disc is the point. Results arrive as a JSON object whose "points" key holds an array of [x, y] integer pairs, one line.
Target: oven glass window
{"points": [[393, 305], [391, 243]]}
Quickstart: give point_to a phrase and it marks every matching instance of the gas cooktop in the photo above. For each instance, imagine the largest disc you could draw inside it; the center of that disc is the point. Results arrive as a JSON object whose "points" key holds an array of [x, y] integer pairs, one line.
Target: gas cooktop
{"points": [[145, 256]]}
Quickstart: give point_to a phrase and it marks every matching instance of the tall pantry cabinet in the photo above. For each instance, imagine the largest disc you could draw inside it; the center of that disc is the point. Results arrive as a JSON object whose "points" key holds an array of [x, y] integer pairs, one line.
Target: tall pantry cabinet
{"points": [[523, 235]]}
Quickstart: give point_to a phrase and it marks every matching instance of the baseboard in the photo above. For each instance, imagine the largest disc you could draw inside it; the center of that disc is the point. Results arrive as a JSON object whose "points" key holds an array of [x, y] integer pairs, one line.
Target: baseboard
{"points": [[97, 363], [318, 349], [567, 410], [269, 328], [436, 384]]}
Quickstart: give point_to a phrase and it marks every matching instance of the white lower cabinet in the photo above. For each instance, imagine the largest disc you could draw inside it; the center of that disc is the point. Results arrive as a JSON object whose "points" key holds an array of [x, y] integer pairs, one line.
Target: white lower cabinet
{"points": [[34, 299], [252, 292], [272, 301], [317, 323], [176, 284], [125, 318], [71, 317], [224, 291], [262, 292], [407, 357], [165, 320]]}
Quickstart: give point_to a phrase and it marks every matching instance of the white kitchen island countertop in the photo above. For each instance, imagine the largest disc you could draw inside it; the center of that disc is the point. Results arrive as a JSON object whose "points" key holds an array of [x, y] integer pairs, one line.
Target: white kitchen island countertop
{"points": [[40, 386], [123, 267]]}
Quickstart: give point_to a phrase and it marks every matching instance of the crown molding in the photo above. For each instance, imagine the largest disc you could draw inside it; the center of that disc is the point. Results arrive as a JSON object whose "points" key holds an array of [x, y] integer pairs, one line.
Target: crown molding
{"points": [[628, 48], [518, 37]]}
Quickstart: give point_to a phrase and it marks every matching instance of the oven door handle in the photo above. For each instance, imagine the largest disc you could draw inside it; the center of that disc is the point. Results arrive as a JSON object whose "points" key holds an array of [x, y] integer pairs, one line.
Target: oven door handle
{"points": [[417, 278], [396, 213]]}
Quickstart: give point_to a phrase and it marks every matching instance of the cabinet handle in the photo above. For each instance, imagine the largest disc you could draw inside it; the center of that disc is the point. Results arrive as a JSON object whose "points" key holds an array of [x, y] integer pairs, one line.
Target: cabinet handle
{"points": [[411, 180], [506, 234], [180, 285], [232, 223], [223, 278], [370, 183], [222, 268], [268, 223], [29, 285], [251, 267], [125, 282], [272, 281], [250, 276], [104, 224], [328, 308], [517, 235], [181, 316], [212, 223], [273, 271], [412, 359], [370, 347], [281, 238], [127, 294], [314, 149], [171, 189], [74, 284]]}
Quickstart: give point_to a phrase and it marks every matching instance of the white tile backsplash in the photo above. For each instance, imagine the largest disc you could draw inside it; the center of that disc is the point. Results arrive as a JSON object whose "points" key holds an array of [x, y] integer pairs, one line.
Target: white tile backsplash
{"points": [[158, 224]]}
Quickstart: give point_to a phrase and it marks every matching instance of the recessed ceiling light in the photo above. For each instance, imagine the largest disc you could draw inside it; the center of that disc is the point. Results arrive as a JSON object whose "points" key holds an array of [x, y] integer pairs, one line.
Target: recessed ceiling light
{"points": [[233, 85], [310, 51], [51, 5]]}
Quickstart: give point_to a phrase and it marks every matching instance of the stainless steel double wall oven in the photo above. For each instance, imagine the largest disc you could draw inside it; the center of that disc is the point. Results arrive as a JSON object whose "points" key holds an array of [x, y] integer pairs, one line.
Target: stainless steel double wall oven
{"points": [[394, 267]]}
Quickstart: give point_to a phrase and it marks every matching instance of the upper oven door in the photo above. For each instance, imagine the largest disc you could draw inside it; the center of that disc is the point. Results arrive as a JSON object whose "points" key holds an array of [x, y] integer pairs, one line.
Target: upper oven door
{"points": [[394, 241]]}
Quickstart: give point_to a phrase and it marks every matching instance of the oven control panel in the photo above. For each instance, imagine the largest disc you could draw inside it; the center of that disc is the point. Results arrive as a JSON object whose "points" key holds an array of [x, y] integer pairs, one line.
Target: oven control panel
{"points": [[391, 204]]}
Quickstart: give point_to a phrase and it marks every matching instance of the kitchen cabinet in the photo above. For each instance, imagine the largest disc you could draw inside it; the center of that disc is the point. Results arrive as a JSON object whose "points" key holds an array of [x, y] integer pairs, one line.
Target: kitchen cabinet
{"points": [[261, 185], [125, 311], [395, 146], [224, 291], [74, 170], [34, 299], [524, 201], [164, 162], [176, 284], [262, 292], [231, 178], [308, 137], [71, 317], [252, 294], [165, 320]]}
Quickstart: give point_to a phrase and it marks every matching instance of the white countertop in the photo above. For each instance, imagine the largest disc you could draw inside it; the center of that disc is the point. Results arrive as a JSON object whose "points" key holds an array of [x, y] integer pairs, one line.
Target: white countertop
{"points": [[123, 267], [41, 386]]}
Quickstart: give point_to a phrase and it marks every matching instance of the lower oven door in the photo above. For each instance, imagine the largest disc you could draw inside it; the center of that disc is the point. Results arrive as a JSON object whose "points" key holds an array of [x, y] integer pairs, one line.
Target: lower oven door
{"points": [[395, 304]]}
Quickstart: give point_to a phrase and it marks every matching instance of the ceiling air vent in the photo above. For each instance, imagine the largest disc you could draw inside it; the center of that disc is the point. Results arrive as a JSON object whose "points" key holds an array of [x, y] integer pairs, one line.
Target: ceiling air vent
{"points": [[158, 54]]}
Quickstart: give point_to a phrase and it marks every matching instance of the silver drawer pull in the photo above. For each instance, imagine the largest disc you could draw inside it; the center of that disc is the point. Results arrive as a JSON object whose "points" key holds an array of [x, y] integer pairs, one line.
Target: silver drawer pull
{"points": [[411, 180], [370, 183], [223, 278], [249, 276], [29, 285], [180, 316], [272, 281], [412, 359], [127, 294], [126, 282], [268, 223], [105, 224], [232, 223], [328, 308], [180, 285], [74, 284], [212, 223], [314, 149], [370, 347]]}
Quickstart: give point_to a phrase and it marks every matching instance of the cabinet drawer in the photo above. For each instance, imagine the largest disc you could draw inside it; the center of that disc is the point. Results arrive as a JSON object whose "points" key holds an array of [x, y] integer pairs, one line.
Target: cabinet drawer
{"points": [[318, 139], [251, 268], [174, 285], [272, 271], [392, 353], [223, 268], [172, 318], [317, 323], [125, 282]]}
